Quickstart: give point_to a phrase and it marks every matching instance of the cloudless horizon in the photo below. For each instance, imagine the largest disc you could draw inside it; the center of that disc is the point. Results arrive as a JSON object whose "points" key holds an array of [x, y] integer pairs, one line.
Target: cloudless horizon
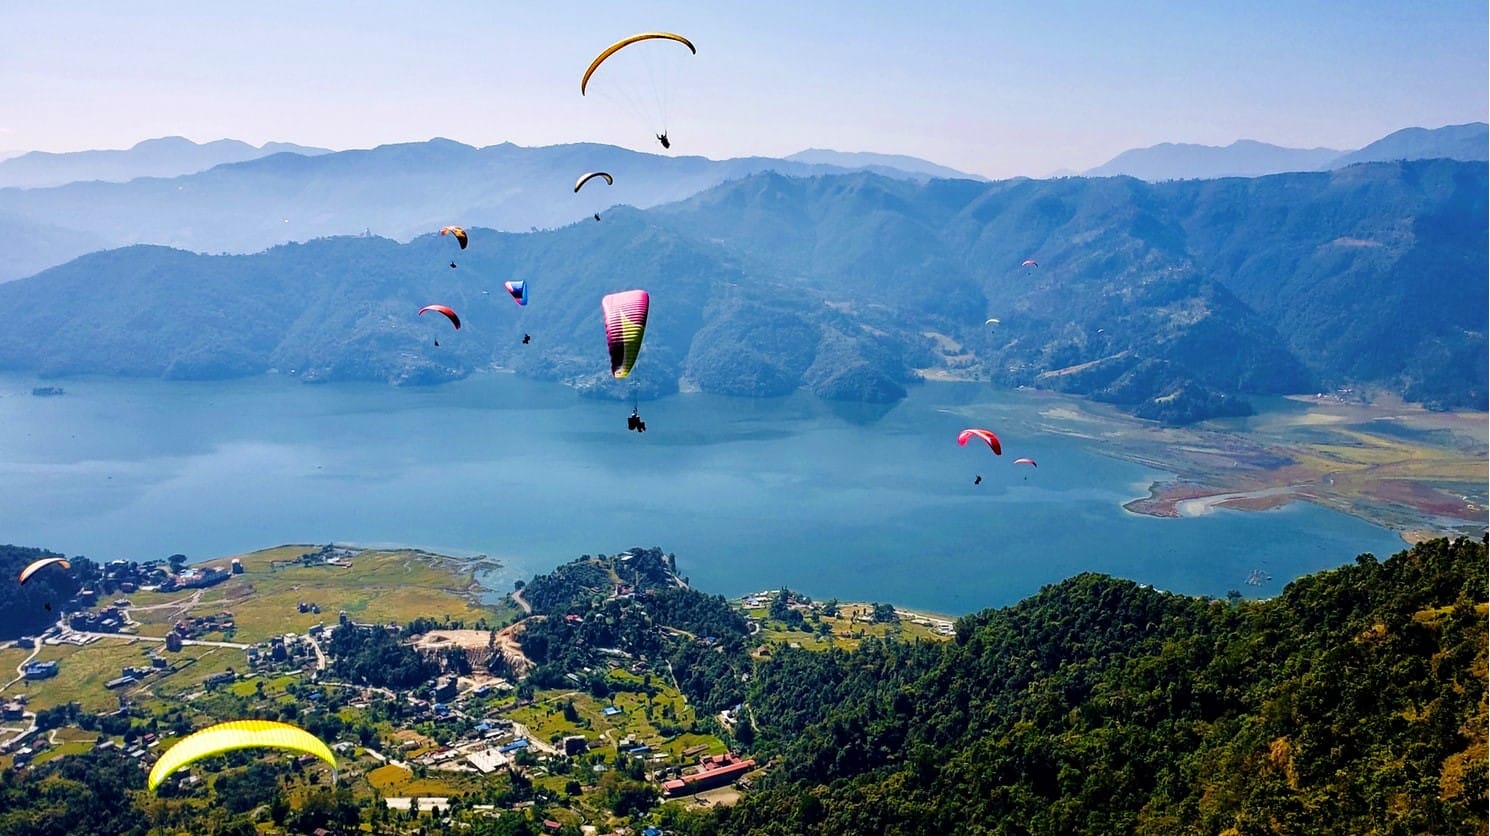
{"points": [[994, 91]]}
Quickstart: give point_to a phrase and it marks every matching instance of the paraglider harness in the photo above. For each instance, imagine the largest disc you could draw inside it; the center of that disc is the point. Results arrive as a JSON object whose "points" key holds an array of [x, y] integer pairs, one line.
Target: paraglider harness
{"points": [[662, 138], [634, 422]]}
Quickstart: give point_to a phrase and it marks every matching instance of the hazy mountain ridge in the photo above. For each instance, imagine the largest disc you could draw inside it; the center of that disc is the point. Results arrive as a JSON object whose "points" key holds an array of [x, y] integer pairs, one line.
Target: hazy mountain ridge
{"points": [[1249, 158], [163, 157], [1172, 300], [399, 191], [879, 163]]}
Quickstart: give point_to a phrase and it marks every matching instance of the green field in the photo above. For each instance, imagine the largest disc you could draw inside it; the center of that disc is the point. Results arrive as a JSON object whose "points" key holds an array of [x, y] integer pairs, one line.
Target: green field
{"points": [[546, 722], [847, 629], [378, 587]]}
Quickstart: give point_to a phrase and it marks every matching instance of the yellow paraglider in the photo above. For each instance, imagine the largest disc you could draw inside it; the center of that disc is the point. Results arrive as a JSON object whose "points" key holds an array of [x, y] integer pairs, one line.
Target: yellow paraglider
{"points": [[237, 734], [45, 561], [625, 42]]}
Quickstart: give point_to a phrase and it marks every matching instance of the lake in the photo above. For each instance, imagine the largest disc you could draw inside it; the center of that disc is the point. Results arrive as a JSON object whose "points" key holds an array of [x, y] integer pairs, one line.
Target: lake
{"points": [[835, 500]]}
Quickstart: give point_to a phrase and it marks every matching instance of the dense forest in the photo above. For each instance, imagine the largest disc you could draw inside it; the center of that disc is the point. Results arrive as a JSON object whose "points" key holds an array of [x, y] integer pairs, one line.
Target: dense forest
{"points": [[1354, 702]]}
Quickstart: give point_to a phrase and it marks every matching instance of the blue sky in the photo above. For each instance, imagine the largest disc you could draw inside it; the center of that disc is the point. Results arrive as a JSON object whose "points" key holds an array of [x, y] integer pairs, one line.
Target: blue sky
{"points": [[1000, 89]]}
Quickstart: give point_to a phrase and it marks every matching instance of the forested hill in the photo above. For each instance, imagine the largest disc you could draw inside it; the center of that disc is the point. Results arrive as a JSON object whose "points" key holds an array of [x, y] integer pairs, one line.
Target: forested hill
{"points": [[1174, 300], [1354, 702]]}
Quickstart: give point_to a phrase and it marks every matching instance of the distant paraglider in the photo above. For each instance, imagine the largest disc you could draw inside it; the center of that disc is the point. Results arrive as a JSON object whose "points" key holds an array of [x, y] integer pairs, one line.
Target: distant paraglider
{"points": [[641, 80], [1030, 462], [625, 322], [37, 565], [1029, 262], [585, 178], [991, 321], [460, 238], [237, 734]]}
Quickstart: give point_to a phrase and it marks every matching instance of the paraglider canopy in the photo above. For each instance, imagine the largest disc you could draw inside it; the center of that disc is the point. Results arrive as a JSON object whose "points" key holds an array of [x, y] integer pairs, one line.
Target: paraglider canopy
{"points": [[1029, 262], [1030, 462], [460, 234], [518, 291], [625, 42], [585, 178], [237, 734], [441, 309], [985, 436], [37, 565], [991, 321], [625, 322]]}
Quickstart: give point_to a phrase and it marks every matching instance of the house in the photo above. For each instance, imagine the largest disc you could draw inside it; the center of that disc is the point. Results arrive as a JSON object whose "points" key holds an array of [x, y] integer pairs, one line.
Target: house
{"points": [[12, 711], [611, 711], [120, 682], [520, 743], [40, 670], [713, 771]]}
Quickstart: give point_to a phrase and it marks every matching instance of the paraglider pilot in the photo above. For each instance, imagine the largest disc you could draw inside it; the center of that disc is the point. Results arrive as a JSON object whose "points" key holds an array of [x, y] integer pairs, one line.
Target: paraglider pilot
{"points": [[634, 422], [452, 265], [978, 480], [597, 216], [527, 339], [662, 138]]}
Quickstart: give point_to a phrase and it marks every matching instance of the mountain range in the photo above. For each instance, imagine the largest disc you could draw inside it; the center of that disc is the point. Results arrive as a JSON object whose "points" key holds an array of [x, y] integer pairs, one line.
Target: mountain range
{"points": [[1249, 158], [399, 191], [228, 196], [168, 156], [1172, 300]]}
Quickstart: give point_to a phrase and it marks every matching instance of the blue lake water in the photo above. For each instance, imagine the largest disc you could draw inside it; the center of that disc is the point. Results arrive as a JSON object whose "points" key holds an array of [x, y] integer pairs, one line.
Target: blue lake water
{"points": [[846, 501]]}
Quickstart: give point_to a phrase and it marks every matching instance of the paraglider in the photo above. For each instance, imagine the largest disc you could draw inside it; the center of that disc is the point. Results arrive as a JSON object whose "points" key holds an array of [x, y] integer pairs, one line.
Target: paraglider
{"points": [[639, 79], [460, 235], [37, 565], [1030, 462], [441, 309], [985, 436], [991, 321], [978, 480], [625, 322], [585, 178], [237, 734], [1029, 262]]}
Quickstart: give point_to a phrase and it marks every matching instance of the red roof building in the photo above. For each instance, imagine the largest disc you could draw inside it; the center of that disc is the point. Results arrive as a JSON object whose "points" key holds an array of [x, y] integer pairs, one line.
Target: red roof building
{"points": [[714, 771]]}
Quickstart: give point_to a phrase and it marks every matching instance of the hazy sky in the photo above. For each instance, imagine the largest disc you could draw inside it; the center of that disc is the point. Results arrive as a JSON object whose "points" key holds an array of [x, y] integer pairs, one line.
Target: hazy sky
{"points": [[995, 88]]}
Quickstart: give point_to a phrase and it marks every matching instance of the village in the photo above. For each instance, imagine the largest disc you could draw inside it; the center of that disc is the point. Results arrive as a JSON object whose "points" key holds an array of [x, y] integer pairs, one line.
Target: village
{"points": [[185, 637]]}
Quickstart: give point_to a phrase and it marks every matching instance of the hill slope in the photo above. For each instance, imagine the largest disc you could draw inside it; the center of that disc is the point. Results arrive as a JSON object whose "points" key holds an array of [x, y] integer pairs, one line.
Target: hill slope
{"points": [[1353, 702], [1172, 300]]}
